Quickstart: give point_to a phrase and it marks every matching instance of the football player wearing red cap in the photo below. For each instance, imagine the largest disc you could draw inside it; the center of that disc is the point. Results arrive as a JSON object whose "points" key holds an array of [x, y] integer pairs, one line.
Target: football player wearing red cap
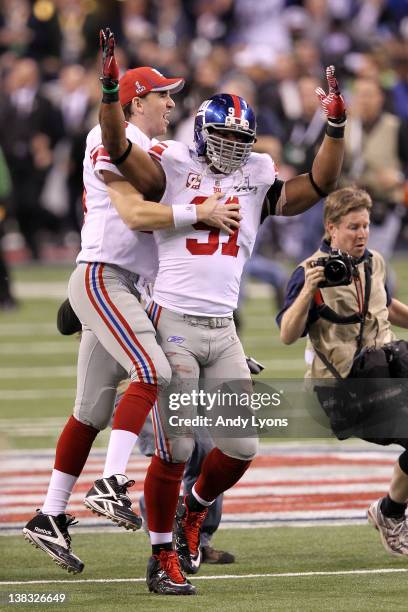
{"points": [[118, 339], [195, 294]]}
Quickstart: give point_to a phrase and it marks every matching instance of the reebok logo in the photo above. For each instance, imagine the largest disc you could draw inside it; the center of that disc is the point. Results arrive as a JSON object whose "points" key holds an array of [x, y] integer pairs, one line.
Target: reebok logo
{"points": [[44, 531], [176, 339]]}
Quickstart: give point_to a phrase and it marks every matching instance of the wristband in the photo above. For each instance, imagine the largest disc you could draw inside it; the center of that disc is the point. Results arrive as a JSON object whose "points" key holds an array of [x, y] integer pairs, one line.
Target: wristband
{"points": [[184, 214], [335, 131], [110, 90], [341, 122], [110, 96], [124, 155]]}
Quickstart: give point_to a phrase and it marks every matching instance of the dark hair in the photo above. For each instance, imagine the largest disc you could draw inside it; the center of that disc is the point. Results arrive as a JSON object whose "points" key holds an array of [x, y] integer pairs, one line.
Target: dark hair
{"points": [[127, 110]]}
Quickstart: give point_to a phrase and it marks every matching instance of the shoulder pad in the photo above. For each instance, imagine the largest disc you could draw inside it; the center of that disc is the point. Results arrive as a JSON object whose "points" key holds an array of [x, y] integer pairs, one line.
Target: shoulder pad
{"points": [[264, 168], [169, 149]]}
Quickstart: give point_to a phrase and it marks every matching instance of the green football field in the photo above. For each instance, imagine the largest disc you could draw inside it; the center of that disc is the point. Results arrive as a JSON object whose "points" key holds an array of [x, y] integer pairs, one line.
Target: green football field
{"points": [[310, 569], [321, 568], [38, 366]]}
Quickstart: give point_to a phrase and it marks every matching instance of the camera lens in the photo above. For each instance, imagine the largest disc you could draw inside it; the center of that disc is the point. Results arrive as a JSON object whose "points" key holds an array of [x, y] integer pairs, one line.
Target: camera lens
{"points": [[335, 271]]}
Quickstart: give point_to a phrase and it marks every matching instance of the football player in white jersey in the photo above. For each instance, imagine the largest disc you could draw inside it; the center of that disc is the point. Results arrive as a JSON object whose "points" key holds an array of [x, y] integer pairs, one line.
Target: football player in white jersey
{"points": [[118, 339], [196, 291]]}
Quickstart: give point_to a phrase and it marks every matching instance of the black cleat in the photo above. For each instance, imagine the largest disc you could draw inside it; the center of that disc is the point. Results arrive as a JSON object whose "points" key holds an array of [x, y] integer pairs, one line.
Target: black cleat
{"points": [[50, 534], [164, 575], [187, 537], [108, 497], [216, 557]]}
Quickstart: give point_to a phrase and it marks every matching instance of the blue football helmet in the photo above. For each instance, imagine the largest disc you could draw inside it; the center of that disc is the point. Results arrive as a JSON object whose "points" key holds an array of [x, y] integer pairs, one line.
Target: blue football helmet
{"points": [[224, 113]]}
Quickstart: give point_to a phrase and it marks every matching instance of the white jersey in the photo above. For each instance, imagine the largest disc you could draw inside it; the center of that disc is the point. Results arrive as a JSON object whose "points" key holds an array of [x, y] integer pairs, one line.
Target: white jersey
{"points": [[200, 267], [105, 237]]}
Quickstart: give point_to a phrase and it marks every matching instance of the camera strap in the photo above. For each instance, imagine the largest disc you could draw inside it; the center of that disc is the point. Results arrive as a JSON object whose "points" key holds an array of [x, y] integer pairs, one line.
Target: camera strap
{"points": [[367, 293], [327, 313]]}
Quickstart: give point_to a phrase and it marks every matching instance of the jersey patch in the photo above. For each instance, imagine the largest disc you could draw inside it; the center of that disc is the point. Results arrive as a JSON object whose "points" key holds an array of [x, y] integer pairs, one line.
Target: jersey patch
{"points": [[193, 180], [243, 185]]}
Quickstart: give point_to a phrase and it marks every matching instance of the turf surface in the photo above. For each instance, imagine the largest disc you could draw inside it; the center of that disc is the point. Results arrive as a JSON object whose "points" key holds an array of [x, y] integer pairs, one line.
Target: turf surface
{"points": [[37, 381], [258, 551]]}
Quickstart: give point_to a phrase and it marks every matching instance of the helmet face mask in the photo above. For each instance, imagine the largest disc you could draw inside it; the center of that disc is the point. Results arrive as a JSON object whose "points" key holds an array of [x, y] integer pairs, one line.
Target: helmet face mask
{"points": [[225, 113]]}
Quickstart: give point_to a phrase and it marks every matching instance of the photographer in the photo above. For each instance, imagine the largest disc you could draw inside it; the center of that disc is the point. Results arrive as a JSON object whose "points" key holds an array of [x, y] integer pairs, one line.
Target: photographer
{"points": [[338, 297]]}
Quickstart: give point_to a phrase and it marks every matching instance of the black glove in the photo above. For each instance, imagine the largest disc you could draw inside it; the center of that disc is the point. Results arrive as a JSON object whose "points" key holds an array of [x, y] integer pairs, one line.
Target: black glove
{"points": [[67, 321]]}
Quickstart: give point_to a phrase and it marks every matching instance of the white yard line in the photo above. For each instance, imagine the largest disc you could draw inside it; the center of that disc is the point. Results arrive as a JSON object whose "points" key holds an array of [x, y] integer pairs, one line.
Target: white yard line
{"points": [[359, 572], [39, 348], [38, 290], [35, 394], [285, 363], [27, 329], [49, 372]]}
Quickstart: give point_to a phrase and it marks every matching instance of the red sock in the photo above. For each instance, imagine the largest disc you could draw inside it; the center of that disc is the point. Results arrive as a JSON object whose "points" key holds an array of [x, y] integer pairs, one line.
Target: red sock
{"points": [[161, 490], [218, 474], [73, 446], [135, 405]]}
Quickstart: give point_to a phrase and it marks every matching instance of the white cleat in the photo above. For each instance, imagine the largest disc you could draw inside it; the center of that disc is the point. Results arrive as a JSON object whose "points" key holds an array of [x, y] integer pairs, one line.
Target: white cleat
{"points": [[393, 531]]}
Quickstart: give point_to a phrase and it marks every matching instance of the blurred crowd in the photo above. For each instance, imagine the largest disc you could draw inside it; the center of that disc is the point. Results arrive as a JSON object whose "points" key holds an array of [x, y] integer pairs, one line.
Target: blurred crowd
{"points": [[271, 52]]}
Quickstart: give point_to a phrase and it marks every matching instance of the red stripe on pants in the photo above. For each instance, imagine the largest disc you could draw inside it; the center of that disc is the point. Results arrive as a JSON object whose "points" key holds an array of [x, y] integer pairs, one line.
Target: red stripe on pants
{"points": [[89, 290], [131, 334]]}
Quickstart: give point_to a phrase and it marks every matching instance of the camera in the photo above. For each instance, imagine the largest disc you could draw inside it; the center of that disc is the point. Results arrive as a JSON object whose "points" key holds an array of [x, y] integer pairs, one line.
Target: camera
{"points": [[338, 267]]}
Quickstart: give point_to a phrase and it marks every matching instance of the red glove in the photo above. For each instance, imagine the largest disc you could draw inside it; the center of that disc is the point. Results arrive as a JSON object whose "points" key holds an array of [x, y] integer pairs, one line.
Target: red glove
{"points": [[110, 69], [332, 103]]}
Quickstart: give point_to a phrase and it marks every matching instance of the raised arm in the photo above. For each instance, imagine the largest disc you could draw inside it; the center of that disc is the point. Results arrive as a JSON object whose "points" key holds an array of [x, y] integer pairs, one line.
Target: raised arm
{"points": [[303, 191], [145, 174], [141, 174]]}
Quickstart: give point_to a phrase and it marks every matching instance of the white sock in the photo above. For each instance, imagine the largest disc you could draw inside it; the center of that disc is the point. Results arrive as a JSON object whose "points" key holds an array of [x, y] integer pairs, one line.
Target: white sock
{"points": [[200, 500], [59, 492], [120, 448], [160, 538]]}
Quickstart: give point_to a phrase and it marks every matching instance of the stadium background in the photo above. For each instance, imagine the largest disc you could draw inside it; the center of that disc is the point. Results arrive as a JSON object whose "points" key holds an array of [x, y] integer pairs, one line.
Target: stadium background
{"points": [[296, 522]]}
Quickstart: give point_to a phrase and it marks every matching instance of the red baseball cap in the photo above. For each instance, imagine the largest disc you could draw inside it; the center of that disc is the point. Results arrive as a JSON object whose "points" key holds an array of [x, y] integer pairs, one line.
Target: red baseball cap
{"points": [[140, 81]]}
